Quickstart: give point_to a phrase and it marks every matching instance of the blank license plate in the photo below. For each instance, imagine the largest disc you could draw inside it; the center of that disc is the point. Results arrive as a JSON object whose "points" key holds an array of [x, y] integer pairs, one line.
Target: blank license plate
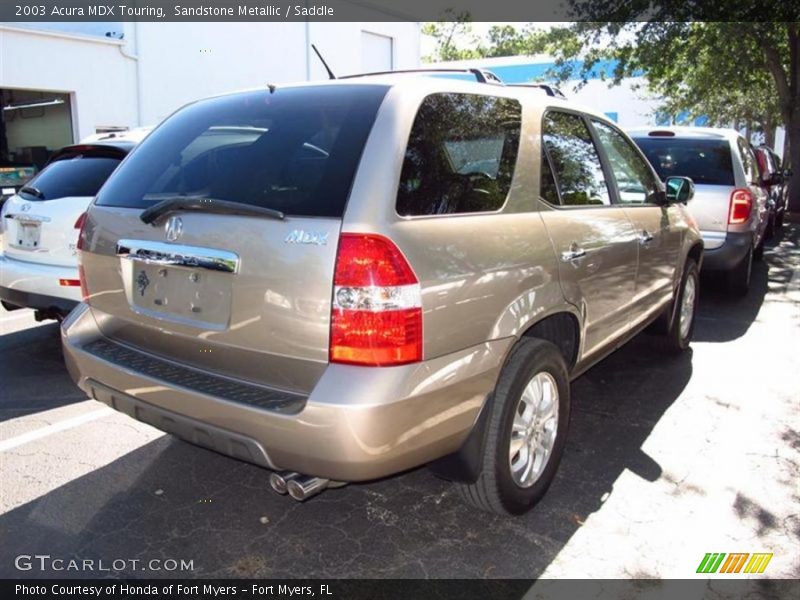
{"points": [[28, 235], [187, 294]]}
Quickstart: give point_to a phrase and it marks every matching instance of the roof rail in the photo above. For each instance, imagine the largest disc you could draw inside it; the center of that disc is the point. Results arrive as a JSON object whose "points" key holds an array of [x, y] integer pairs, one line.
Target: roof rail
{"points": [[481, 75], [548, 89]]}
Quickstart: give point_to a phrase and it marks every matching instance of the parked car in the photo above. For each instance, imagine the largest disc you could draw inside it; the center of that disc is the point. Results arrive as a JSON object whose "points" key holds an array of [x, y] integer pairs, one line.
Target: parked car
{"points": [[13, 175], [40, 226], [730, 205], [775, 184], [379, 273]]}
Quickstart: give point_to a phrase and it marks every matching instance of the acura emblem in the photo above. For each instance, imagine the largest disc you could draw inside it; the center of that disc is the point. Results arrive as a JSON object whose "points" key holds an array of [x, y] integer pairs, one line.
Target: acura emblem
{"points": [[174, 228]]}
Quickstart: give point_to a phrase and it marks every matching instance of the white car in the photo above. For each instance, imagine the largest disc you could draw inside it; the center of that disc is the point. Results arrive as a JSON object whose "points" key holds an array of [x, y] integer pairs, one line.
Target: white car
{"points": [[40, 224]]}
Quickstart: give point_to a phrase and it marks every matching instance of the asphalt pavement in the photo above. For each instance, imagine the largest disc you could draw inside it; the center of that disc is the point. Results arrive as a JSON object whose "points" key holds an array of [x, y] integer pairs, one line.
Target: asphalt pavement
{"points": [[668, 459]]}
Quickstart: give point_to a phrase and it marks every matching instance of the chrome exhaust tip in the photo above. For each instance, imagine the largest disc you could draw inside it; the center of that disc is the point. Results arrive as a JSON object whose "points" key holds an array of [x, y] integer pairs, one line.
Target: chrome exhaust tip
{"points": [[278, 480], [304, 487]]}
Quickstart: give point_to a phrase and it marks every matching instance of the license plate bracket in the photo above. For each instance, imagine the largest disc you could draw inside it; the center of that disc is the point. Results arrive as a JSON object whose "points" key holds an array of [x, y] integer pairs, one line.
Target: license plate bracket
{"points": [[28, 235], [193, 296]]}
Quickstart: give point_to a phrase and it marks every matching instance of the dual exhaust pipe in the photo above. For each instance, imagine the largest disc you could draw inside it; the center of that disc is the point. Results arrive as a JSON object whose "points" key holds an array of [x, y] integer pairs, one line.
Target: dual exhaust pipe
{"points": [[300, 487]]}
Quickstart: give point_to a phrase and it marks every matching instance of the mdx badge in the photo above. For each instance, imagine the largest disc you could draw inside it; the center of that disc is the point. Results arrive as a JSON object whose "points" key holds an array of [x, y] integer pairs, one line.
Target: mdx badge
{"points": [[173, 228], [300, 236]]}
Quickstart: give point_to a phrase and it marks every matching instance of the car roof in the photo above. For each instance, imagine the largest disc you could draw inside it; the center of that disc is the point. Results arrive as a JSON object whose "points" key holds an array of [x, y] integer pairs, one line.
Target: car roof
{"points": [[686, 132], [433, 82]]}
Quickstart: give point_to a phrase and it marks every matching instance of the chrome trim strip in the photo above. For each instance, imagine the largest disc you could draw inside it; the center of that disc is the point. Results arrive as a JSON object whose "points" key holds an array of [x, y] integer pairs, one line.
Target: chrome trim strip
{"points": [[27, 218], [178, 255]]}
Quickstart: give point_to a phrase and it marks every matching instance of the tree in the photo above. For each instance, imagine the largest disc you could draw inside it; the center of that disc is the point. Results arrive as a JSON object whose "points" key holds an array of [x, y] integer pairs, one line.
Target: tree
{"points": [[450, 34], [744, 71], [456, 40]]}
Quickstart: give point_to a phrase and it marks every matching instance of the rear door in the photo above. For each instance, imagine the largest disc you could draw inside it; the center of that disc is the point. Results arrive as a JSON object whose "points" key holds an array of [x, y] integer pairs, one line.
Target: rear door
{"points": [[40, 221], [659, 227], [708, 161], [241, 295], [594, 240]]}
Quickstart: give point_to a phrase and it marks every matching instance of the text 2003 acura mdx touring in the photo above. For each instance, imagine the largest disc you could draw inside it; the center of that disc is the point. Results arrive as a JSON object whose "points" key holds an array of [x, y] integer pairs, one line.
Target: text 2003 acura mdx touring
{"points": [[345, 280]]}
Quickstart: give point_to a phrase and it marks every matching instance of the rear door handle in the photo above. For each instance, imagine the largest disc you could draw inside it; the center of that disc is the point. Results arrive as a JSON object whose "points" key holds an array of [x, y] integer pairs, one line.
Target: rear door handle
{"points": [[574, 253], [645, 237]]}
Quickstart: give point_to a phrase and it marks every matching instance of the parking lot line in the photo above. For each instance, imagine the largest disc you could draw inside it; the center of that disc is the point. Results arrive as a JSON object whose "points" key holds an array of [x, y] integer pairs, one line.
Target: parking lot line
{"points": [[54, 428]]}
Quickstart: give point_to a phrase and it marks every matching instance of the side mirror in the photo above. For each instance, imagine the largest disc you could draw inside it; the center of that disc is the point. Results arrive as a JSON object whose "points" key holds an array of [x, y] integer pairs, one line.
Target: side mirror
{"points": [[679, 189]]}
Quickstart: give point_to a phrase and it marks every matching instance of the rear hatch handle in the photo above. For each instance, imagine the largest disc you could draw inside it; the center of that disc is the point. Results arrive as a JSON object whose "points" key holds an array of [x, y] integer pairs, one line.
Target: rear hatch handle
{"points": [[203, 204]]}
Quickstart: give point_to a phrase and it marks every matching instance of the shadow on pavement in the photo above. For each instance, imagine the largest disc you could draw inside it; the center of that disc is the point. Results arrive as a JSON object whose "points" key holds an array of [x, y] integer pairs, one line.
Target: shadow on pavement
{"points": [[169, 499], [722, 317], [31, 369]]}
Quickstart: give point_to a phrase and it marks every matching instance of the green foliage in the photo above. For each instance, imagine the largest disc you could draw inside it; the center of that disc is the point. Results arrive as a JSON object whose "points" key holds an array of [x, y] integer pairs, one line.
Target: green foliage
{"points": [[451, 35]]}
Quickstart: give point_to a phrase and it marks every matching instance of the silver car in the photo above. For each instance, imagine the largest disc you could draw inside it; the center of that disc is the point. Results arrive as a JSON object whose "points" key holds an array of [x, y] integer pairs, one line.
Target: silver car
{"points": [[341, 281], [730, 205]]}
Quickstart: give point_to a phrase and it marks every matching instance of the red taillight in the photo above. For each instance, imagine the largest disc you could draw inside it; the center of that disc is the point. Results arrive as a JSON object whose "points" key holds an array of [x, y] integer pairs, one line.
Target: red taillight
{"points": [[80, 224], [741, 205], [80, 221], [376, 317], [69, 282]]}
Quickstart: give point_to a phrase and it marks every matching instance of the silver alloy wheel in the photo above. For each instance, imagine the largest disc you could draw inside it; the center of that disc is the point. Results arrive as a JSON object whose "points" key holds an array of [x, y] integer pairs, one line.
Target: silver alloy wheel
{"points": [[687, 307], [533, 432]]}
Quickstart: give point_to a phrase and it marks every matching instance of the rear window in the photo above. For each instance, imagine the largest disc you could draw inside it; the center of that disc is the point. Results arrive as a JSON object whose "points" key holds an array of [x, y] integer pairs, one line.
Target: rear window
{"points": [[707, 162], [78, 175], [295, 150], [460, 156]]}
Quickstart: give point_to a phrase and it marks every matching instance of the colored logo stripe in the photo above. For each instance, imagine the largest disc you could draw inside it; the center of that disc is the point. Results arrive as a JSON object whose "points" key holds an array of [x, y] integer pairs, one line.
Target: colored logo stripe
{"points": [[734, 563], [758, 563], [711, 562]]}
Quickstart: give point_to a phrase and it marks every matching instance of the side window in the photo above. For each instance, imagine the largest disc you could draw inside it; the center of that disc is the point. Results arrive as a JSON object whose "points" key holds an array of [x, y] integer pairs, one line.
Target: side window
{"points": [[460, 156], [748, 161], [577, 166], [547, 183], [636, 182]]}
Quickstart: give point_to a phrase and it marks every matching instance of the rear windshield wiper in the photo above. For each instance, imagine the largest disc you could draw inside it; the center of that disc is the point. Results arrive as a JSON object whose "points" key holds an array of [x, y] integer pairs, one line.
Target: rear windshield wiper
{"points": [[32, 191], [205, 204]]}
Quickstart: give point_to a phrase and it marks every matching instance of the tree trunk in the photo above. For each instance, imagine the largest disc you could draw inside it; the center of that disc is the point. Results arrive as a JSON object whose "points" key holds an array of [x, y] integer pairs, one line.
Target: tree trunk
{"points": [[793, 133], [769, 131]]}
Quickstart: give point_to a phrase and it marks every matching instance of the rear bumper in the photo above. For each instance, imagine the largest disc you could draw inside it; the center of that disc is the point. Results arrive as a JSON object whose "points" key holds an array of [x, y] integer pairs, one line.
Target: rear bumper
{"points": [[358, 423], [727, 256], [35, 285]]}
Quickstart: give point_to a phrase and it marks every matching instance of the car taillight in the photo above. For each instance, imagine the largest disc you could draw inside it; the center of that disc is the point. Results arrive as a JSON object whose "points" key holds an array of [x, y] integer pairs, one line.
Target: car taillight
{"points": [[79, 225], [80, 221], [376, 317], [741, 205]]}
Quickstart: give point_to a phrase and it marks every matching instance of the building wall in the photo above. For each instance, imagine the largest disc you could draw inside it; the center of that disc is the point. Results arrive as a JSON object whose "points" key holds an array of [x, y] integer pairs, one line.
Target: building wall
{"points": [[159, 67]]}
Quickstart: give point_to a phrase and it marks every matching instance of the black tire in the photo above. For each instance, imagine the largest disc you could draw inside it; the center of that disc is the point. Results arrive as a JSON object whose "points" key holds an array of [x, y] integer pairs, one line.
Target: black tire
{"points": [[675, 341], [738, 279], [495, 490], [758, 253]]}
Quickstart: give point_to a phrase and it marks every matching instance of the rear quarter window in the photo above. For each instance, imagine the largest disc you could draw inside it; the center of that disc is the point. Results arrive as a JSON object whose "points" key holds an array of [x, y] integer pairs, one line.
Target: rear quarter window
{"points": [[460, 155]]}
